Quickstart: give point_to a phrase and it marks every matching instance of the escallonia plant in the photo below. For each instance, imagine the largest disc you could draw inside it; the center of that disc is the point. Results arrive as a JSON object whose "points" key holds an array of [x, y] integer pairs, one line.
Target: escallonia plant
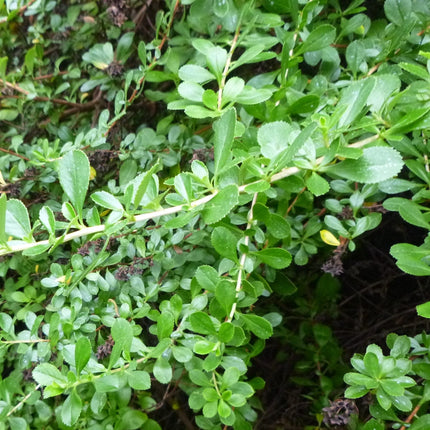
{"points": [[144, 259]]}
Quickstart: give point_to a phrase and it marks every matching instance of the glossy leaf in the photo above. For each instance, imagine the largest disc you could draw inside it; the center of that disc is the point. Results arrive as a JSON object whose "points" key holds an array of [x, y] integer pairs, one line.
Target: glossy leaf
{"points": [[74, 175]]}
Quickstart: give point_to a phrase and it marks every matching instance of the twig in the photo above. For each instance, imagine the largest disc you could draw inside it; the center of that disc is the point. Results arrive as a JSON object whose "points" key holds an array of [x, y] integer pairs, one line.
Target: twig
{"points": [[168, 211], [139, 16], [243, 258], [411, 416], [22, 401], [8, 151], [227, 67]]}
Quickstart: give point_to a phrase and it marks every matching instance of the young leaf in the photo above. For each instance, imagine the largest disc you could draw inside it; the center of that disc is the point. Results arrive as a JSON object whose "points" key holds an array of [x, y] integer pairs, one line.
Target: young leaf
{"points": [[221, 205], [223, 139], [17, 219], [71, 409], [74, 175], [82, 353]]}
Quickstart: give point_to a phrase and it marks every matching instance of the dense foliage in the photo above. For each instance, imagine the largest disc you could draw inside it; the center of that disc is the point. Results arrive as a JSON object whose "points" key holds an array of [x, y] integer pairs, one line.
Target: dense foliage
{"points": [[166, 168]]}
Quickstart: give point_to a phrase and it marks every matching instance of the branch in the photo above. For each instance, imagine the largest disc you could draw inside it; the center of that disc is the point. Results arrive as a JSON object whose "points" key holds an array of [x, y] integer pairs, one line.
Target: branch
{"points": [[86, 231]]}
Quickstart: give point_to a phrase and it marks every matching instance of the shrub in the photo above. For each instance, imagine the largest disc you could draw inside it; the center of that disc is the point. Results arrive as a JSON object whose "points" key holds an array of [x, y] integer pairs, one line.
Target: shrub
{"points": [[164, 163]]}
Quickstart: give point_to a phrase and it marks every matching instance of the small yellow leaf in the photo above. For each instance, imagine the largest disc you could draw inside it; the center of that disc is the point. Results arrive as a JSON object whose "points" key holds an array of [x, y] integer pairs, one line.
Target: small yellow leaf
{"points": [[329, 238], [93, 173], [105, 212]]}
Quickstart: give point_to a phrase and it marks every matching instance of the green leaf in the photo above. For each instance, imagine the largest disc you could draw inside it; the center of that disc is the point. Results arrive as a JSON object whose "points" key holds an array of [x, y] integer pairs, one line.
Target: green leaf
{"points": [[3, 206], [376, 165], [317, 185], [424, 310], [194, 73], [71, 409], [318, 39], [191, 91], [47, 218], [47, 374], [371, 363], [123, 49], [162, 370], [221, 205], [252, 96], [233, 87], [133, 419], [223, 139], [100, 55], [17, 220], [353, 101], [353, 378], [122, 334], [224, 242], [398, 11], [139, 380], [200, 112], [216, 58], [184, 186], [225, 293], [8, 114], [273, 138], [410, 259], [82, 353], [224, 409], [278, 258], [257, 325], [226, 332], [421, 423], [109, 383], [74, 175], [411, 214], [107, 200], [221, 8], [141, 184], [355, 392], [207, 277], [201, 323], [165, 324]]}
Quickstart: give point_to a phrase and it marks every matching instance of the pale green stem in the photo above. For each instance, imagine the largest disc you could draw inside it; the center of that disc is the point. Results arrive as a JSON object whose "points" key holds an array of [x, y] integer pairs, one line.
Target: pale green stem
{"points": [[289, 171]]}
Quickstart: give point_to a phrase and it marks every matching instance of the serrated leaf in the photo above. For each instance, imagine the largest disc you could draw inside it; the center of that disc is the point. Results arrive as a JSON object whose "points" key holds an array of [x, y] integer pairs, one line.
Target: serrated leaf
{"points": [[71, 409], [317, 185], [201, 323], [139, 380], [318, 39], [278, 258], [221, 205], [162, 370], [107, 200], [122, 334], [17, 220], [223, 139], [74, 175], [47, 218], [82, 353], [224, 242], [273, 138], [196, 74], [398, 11], [47, 374], [376, 165], [225, 294], [257, 325]]}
